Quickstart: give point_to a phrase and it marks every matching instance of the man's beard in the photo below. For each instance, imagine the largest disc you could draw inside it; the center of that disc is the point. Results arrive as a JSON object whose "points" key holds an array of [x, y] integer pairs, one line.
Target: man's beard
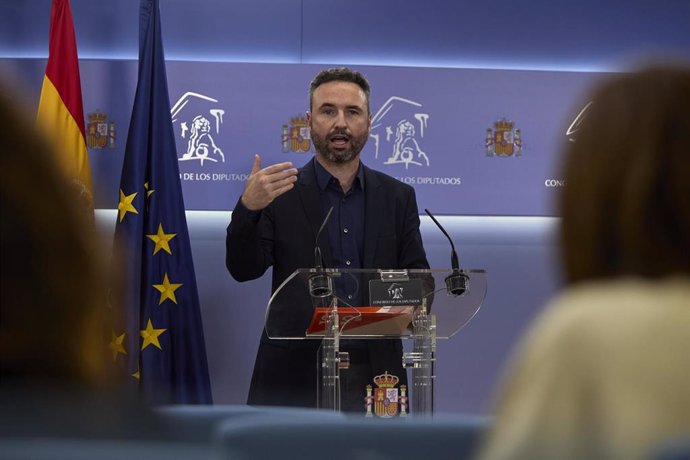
{"points": [[339, 156]]}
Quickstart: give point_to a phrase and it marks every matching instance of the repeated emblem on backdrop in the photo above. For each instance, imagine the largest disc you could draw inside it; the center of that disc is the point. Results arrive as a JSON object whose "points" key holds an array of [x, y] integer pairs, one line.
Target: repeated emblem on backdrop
{"points": [[296, 137], [503, 140], [386, 400], [100, 133], [197, 120], [572, 130], [398, 130]]}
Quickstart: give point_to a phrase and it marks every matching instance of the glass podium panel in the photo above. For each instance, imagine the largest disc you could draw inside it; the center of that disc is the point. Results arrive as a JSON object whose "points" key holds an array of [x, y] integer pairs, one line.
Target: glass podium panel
{"points": [[422, 305], [293, 308]]}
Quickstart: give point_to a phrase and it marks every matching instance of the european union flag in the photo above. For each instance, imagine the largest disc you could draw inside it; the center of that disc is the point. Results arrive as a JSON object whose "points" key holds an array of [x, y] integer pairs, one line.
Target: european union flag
{"points": [[162, 340]]}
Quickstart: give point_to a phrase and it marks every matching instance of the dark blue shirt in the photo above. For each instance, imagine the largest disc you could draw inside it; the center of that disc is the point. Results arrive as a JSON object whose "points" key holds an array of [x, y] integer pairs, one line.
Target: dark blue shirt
{"points": [[345, 228]]}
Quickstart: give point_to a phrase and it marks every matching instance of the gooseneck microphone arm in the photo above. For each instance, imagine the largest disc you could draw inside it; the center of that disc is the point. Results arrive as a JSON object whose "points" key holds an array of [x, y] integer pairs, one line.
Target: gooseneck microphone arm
{"points": [[320, 283], [457, 283], [454, 262], [318, 259]]}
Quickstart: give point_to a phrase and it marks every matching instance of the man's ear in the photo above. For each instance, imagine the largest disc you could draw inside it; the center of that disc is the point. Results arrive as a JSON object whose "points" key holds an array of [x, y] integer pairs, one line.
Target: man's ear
{"points": [[309, 119]]}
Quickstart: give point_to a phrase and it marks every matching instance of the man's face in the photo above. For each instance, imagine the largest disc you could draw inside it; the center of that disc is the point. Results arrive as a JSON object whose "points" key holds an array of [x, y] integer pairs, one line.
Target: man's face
{"points": [[339, 121]]}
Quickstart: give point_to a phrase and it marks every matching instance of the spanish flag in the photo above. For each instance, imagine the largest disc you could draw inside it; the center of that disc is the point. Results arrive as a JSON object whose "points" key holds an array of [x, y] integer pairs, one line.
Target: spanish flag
{"points": [[60, 110]]}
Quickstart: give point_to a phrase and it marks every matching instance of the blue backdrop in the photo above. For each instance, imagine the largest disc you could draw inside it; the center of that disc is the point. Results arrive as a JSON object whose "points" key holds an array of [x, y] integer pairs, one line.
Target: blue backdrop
{"points": [[471, 141]]}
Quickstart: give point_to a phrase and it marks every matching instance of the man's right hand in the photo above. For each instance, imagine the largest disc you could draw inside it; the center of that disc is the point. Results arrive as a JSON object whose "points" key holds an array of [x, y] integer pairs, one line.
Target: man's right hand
{"points": [[265, 185]]}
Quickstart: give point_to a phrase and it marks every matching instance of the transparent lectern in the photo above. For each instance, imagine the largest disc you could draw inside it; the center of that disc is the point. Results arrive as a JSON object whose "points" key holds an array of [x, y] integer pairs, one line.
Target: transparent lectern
{"points": [[422, 305]]}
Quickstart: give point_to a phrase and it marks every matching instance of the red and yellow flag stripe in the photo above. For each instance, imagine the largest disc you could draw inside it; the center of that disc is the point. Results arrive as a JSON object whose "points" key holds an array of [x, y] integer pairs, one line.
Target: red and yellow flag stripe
{"points": [[60, 110]]}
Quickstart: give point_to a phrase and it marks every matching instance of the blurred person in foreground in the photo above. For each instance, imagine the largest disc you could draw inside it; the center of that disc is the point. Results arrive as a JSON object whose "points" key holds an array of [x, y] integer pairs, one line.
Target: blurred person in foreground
{"points": [[604, 373], [56, 375]]}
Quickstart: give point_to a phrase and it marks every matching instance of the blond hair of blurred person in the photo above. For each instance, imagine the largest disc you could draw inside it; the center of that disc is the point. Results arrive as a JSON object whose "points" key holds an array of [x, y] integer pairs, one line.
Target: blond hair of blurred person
{"points": [[604, 373]]}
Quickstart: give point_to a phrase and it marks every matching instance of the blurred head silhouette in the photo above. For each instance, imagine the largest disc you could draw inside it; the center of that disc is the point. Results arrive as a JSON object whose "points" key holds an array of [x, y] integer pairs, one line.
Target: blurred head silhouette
{"points": [[602, 372], [52, 286], [626, 206]]}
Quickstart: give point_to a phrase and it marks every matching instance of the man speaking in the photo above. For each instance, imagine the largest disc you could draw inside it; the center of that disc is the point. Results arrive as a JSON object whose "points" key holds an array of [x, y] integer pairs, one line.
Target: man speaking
{"points": [[374, 224]]}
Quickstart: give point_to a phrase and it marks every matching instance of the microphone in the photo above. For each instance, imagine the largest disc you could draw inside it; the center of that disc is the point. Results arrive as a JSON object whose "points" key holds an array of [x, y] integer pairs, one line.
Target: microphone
{"points": [[320, 283], [456, 282]]}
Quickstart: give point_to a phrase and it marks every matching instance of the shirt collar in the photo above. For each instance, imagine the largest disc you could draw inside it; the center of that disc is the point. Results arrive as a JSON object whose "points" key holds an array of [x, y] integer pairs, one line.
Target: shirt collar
{"points": [[323, 177]]}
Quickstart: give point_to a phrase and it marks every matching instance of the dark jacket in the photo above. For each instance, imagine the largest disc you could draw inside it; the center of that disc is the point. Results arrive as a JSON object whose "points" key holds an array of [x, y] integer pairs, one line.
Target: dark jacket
{"points": [[284, 237]]}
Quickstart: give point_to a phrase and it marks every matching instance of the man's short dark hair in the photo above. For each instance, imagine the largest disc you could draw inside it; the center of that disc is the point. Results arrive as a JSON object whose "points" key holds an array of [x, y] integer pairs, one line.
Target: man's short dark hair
{"points": [[339, 74]]}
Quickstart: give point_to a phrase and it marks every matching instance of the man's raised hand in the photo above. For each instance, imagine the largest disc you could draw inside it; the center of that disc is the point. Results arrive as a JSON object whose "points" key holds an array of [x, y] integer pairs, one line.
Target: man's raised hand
{"points": [[265, 185]]}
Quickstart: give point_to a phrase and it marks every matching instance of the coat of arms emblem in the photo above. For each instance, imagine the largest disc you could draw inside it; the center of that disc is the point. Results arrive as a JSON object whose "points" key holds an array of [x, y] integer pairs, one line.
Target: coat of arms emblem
{"points": [[99, 133], [386, 399], [503, 140], [296, 137]]}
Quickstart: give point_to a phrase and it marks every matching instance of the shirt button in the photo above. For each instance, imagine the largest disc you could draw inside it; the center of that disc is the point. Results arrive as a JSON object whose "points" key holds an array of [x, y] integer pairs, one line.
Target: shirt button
{"points": [[349, 297], [347, 262], [345, 230]]}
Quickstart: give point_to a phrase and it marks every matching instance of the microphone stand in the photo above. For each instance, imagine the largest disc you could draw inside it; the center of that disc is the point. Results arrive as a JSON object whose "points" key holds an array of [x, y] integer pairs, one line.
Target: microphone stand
{"points": [[456, 282]]}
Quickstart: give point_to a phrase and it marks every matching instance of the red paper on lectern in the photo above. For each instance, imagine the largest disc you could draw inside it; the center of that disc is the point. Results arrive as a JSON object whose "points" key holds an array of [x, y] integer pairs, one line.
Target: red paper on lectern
{"points": [[392, 321]]}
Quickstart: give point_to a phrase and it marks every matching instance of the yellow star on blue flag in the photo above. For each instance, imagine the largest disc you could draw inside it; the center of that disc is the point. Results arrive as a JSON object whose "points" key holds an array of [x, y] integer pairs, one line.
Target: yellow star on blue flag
{"points": [[150, 336], [167, 289], [125, 205], [162, 240]]}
